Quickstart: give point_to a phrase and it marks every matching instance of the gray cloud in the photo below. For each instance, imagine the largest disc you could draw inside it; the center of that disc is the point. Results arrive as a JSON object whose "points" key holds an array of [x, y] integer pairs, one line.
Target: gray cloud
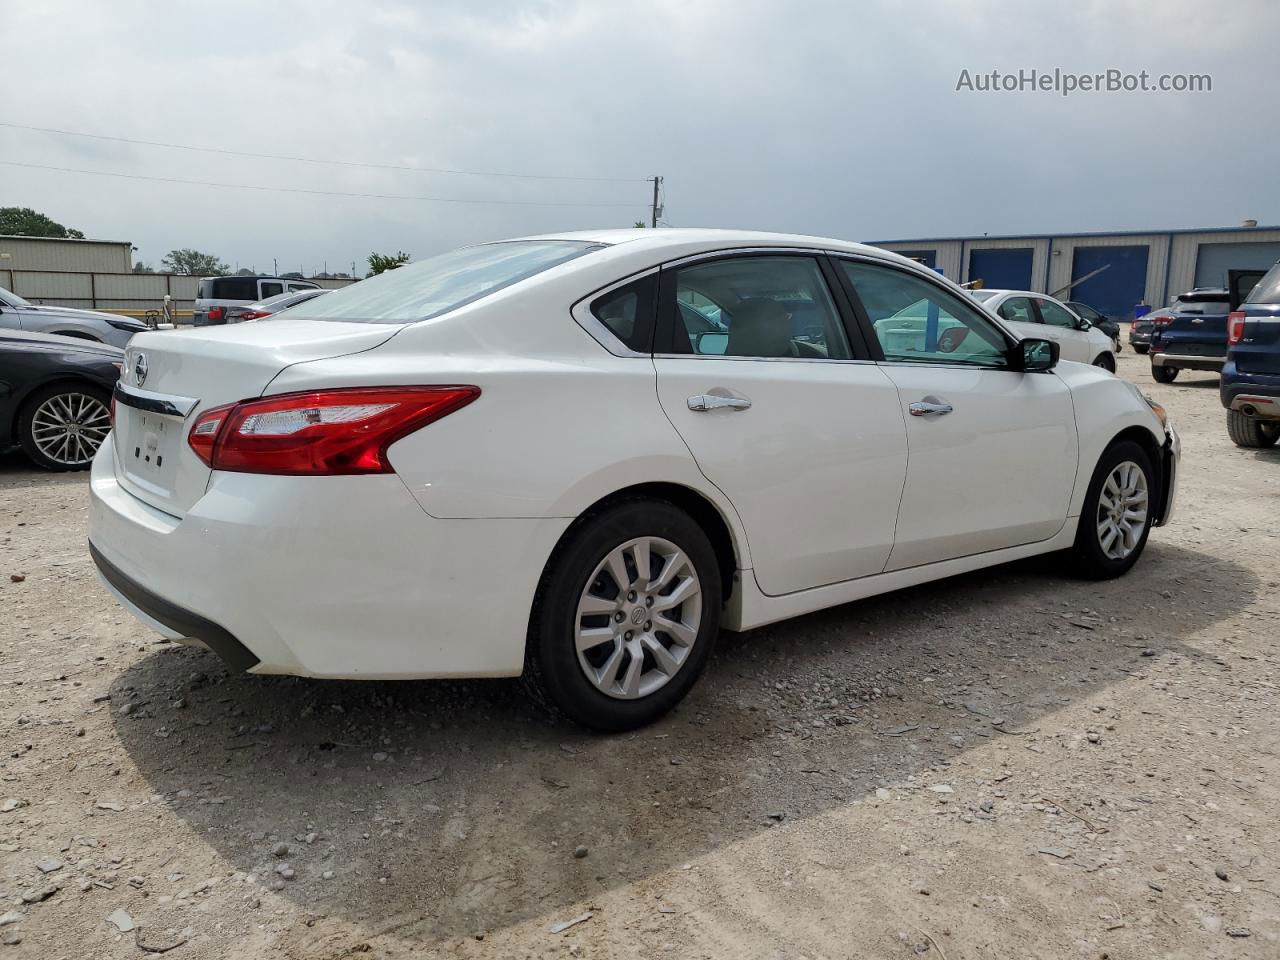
{"points": [[817, 117]]}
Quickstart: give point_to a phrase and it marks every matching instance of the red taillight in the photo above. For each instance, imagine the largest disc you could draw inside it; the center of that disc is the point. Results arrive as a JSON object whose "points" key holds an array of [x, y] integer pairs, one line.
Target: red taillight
{"points": [[253, 315], [217, 313], [1235, 326], [320, 433], [1162, 319]]}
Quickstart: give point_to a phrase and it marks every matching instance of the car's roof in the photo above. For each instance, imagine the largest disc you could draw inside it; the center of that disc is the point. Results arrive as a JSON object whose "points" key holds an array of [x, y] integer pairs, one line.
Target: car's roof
{"points": [[1021, 293], [680, 236]]}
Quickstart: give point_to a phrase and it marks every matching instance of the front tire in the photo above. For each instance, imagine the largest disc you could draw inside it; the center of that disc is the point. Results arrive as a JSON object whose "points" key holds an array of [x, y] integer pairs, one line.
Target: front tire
{"points": [[1162, 374], [1250, 431], [1106, 361], [62, 426], [1117, 513], [626, 616]]}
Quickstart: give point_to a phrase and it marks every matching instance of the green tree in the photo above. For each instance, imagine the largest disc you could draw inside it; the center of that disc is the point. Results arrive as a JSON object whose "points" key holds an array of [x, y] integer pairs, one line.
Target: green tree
{"points": [[25, 222], [141, 267], [640, 223], [380, 262], [193, 263]]}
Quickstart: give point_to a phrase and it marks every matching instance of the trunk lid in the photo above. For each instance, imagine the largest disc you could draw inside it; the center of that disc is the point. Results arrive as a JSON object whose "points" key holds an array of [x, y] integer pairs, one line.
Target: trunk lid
{"points": [[170, 378]]}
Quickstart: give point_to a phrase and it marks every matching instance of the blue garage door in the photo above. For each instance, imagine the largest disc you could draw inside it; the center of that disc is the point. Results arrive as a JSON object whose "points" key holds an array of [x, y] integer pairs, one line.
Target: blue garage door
{"points": [[1002, 269], [1116, 290]]}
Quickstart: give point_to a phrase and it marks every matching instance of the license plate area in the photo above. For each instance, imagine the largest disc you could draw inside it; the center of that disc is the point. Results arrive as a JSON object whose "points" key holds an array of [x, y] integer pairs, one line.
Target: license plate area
{"points": [[147, 448]]}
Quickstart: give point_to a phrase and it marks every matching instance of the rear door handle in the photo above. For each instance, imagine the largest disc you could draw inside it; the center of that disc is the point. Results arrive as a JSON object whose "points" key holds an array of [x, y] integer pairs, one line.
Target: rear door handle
{"points": [[710, 401], [927, 408]]}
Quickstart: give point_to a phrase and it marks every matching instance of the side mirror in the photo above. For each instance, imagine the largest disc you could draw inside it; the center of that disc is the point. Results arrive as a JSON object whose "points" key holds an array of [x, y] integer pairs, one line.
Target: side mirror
{"points": [[1083, 324], [1035, 354]]}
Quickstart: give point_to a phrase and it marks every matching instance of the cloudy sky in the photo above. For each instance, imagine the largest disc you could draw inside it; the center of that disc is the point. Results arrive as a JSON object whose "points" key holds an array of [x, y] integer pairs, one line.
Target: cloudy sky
{"points": [[832, 118]]}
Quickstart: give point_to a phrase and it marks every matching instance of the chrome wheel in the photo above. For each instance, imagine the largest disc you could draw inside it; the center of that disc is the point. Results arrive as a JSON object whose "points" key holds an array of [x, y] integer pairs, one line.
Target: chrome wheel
{"points": [[68, 428], [638, 618], [1122, 510]]}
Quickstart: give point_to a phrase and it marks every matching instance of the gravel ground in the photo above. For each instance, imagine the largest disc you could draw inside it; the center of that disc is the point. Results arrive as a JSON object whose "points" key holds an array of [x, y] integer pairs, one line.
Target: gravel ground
{"points": [[1006, 764]]}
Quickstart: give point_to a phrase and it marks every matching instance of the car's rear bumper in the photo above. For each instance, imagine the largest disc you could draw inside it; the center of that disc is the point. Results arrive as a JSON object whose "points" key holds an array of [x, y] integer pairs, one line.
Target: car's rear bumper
{"points": [[1254, 394], [323, 576], [1187, 361]]}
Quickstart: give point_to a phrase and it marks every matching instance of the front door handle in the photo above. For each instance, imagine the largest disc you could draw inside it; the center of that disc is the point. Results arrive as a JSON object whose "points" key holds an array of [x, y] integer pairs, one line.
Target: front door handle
{"points": [[927, 408], [710, 401]]}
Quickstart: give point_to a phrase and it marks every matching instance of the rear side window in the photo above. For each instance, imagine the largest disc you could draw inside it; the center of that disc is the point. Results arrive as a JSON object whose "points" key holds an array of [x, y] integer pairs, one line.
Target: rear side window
{"points": [[428, 288], [271, 289], [229, 288], [1268, 288], [628, 312], [1018, 309]]}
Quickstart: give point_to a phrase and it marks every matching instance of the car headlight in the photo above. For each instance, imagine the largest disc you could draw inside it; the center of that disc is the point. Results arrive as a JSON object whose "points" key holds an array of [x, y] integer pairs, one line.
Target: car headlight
{"points": [[1158, 410]]}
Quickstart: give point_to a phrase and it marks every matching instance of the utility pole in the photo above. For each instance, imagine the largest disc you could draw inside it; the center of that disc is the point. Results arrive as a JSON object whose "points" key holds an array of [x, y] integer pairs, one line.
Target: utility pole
{"points": [[275, 267], [653, 211]]}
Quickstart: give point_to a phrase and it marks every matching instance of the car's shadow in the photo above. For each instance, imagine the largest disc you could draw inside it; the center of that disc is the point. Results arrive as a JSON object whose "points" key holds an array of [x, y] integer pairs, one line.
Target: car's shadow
{"points": [[447, 809]]}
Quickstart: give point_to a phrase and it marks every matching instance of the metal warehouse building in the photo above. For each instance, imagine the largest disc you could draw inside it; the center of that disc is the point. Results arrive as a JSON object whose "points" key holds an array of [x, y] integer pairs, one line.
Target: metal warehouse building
{"points": [[1115, 272], [65, 256]]}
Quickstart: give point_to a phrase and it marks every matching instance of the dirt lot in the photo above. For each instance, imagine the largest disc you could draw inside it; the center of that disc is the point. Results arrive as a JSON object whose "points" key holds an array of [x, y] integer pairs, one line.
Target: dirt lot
{"points": [[1007, 764]]}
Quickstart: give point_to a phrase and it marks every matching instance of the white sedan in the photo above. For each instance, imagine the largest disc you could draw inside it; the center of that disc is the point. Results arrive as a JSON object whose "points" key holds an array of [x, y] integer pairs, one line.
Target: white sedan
{"points": [[541, 457], [1031, 314]]}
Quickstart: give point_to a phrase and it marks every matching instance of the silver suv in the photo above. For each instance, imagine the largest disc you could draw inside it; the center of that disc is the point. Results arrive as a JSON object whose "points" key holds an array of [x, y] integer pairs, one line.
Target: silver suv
{"points": [[222, 299], [19, 314]]}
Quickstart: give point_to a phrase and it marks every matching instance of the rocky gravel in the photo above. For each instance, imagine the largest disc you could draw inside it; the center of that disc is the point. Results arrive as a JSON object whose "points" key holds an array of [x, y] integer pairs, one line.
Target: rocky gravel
{"points": [[1006, 764]]}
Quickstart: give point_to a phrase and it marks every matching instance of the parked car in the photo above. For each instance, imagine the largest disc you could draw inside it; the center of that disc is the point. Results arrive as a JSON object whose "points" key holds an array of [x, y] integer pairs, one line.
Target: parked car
{"points": [[1141, 328], [1104, 323], [1036, 315], [273, 305], [1192, 335], [19, 314], [55, 396], [515, 459], [220, 299], [1251, 376]]}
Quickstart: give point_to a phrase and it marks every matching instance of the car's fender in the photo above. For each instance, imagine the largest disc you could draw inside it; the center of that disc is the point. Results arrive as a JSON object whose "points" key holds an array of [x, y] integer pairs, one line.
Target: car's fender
{"points": [[1105, 406]]}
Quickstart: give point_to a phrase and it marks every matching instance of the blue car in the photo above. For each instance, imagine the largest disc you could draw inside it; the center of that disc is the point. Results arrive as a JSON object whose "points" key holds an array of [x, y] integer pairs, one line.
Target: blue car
{"points": [[1251, 376], [1192, 335]]}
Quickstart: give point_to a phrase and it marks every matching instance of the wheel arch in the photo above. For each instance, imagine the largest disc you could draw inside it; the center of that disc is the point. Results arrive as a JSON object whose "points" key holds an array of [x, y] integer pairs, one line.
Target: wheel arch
{"points": [[1154, 451], [703, 511]]}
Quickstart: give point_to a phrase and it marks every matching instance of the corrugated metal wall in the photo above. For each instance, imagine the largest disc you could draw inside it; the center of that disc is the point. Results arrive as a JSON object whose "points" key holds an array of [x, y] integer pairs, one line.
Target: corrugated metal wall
{"points": [[130, 293], [1186, 248], [47, 253], [946, 254]]}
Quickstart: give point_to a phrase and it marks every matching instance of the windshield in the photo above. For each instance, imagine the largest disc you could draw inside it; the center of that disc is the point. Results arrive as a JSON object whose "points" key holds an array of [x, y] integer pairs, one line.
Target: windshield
{"points": [[982, 296], [428, 288], [12, 298]]}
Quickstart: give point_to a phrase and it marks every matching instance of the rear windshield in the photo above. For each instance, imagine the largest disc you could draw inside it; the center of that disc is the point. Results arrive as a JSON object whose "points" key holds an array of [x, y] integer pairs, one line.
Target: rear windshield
{"points": [[229, 288], [428, 288], [1201, 303], [1268, 288]]}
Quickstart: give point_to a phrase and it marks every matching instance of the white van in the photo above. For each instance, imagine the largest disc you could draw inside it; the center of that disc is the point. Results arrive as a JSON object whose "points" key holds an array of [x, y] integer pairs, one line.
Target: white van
{"points": [[221, 298]]}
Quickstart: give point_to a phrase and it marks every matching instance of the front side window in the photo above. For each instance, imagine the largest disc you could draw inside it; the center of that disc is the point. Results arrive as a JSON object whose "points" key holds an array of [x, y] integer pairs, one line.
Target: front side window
{"points": [[1018, 309], [1055, 315], [775, 307], [918, 321]]}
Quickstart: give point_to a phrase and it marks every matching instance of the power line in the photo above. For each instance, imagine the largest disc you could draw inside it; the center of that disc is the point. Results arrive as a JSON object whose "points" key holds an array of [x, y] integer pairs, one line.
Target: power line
{"points": [[320, 193], [320, 160]]}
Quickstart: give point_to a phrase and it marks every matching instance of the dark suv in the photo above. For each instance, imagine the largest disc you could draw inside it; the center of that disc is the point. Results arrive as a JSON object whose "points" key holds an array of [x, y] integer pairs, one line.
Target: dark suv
{"points": [[1192, 335], [1251, 376]]}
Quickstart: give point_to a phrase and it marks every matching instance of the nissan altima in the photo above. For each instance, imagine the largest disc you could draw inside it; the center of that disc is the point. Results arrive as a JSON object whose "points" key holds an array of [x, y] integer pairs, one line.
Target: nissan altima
{"points": [[576, 457]]}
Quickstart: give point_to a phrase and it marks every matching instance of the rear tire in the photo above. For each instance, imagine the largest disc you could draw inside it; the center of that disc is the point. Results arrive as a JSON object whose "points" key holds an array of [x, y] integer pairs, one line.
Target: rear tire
{"points": [[1162, 374], [1141, 348], [62, 425], [1117, 513], [609, 655], [1250, 431], [1106, 361]]}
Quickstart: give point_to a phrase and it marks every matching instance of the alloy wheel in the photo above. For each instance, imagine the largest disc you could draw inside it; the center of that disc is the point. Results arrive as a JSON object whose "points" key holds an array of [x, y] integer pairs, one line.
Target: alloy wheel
{"points": [[638, 618], [68, 428], [1122, 510]]}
